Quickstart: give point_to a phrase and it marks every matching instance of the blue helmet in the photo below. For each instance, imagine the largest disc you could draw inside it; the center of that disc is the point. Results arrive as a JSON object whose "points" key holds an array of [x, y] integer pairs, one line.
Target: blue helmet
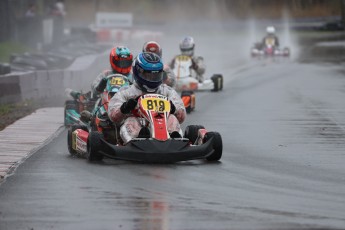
{"points": [[148, 71]]}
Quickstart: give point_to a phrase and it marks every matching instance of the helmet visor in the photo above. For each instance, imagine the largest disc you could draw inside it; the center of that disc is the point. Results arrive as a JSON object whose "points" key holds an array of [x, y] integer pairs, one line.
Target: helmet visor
{"points": [[123, 63], [152, 76], [184, 49]]}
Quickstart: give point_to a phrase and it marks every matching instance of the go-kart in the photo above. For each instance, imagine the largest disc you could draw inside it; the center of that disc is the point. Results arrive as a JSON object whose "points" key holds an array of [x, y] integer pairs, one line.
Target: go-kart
{"points": [[157, 145], [98, 120], [186, 77], [187, 83], [81, 101], [267, 49]]}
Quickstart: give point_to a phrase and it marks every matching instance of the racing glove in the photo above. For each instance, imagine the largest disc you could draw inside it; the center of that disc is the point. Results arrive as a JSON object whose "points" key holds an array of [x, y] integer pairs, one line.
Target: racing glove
{"points": [[101, 85], [172, 108], [128, 106], [75, 94]]}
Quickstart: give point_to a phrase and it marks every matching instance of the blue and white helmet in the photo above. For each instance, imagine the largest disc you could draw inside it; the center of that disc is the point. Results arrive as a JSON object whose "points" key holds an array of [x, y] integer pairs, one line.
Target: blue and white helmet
{"points": [[148, 71]]}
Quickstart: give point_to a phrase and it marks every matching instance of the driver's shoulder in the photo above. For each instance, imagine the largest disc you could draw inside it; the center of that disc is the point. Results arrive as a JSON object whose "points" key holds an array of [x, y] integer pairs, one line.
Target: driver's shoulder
{"points": [[197, 58], [107, 72], [163, 89]]}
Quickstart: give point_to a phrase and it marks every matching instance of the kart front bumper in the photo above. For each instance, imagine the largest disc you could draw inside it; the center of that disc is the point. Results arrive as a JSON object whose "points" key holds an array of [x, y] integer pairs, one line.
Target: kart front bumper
{"points": [[154, 151]]}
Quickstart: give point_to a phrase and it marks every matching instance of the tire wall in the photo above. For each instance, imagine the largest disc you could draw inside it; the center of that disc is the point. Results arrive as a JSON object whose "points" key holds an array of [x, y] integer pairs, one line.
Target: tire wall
{"points": [[17, 87]]}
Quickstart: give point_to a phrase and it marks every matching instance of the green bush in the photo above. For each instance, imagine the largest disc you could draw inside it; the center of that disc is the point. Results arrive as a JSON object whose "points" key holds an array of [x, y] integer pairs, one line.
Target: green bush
{"points": [[7, 48]]}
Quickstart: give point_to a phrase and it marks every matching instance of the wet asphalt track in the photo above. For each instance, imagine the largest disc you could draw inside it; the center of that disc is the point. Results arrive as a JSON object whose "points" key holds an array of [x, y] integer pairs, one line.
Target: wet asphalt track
{"points": [[283, 129]]}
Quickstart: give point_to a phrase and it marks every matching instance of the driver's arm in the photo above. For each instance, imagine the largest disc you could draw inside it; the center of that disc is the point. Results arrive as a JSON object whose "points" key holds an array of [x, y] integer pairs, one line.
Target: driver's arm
{"points": [[175, 98], [96, 83], [199, 65], [114, 106], [277, 41]]}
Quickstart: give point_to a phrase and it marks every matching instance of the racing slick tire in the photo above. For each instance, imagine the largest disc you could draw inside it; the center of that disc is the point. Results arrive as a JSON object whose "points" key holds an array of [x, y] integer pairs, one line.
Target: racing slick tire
{"points": [[70, 104], [191, 132], [188, 98], [217, 145], [93, 145], [217, 81], [69, 138]]}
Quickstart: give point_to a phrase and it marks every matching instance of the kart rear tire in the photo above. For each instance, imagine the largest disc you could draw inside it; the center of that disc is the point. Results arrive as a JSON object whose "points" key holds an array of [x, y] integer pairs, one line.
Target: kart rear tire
{"points": [[286, 52], [70, 104], [69, 137], [217, 81], [93, 146], [191, 132], [217, 145]]}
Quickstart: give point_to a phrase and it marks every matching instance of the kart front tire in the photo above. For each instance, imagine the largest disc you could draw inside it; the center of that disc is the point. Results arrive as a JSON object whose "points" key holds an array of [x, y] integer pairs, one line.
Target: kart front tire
{"points": [[191, 132], [217, 146], [93, 146], [69, 143]]}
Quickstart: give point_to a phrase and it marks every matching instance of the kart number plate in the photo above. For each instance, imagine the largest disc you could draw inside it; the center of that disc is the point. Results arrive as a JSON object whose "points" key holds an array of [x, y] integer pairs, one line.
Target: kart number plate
{"points": [[270, 41], [155, 104], [183, 58], [117, 81]]}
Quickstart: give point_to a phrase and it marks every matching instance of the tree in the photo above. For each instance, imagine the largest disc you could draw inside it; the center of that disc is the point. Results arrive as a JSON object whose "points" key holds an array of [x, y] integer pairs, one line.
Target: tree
{"points": [[6, 21], [342, 7]]}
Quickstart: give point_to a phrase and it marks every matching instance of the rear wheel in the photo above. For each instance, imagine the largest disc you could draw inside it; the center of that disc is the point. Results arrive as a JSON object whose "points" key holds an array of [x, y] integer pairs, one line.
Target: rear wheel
{"points": [[191, 132], [217, 81], [93, 146], [217, 145], [286, 51], [70, 137]]}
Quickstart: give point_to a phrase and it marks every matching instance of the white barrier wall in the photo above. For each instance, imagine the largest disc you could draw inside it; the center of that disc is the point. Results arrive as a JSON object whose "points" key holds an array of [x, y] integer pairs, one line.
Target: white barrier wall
{"points": [[16, 87]]}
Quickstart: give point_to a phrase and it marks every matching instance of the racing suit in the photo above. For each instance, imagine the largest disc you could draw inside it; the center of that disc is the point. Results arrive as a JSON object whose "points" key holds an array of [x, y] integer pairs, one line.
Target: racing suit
{"points": [[96, 85], [131, 124], [198, 66], [169, 77], [270, 40]]}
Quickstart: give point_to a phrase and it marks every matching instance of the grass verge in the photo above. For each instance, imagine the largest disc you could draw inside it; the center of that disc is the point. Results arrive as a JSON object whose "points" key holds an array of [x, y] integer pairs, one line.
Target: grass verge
{"points": [[7, 48], [9, 113]]}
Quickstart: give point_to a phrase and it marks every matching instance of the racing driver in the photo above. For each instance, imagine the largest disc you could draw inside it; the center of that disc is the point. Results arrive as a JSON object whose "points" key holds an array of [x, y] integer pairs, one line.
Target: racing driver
{"points": [[169, 77], [121, 60], [270, 38], [148, 78], [187, 49]]}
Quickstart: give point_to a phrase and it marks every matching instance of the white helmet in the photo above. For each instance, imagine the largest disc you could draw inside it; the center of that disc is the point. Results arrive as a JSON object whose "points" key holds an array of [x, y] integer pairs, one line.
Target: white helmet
{"points": [[187, 46], [270, 30]]}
